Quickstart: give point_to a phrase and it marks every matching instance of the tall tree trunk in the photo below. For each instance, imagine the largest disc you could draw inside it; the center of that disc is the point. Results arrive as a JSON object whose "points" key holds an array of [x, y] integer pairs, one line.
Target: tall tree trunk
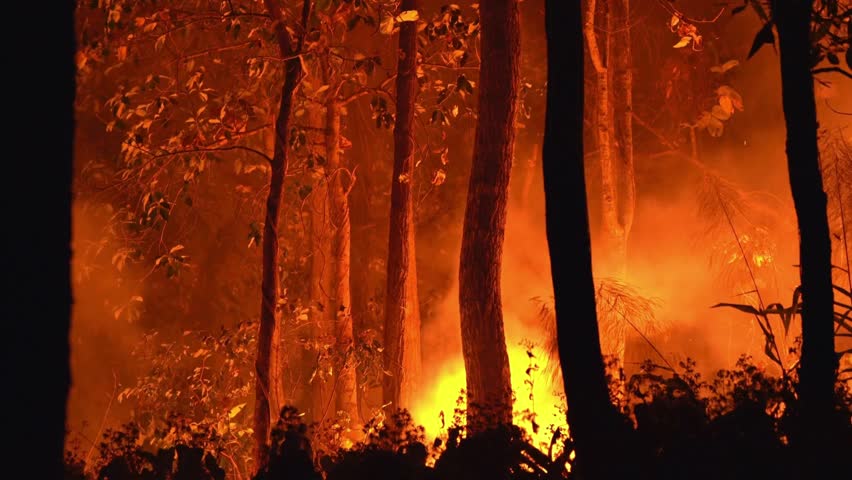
{"points": [[340, 308], [617, 246], [621, 69], [486, 361], [270, 284], [596, 426], [38, 296], [362, 250], [321, 289], [621, 97], [402, 309], [819, 363]]}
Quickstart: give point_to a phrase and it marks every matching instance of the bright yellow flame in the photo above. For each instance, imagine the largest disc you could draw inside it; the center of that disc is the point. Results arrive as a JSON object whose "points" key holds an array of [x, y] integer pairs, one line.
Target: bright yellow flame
{"points": [[761, 259], [545, 402]]}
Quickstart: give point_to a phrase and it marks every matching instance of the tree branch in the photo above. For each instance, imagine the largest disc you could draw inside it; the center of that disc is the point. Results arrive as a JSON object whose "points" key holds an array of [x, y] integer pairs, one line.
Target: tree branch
{"points": [[381, 89], [683, 17], [817, 71], [591, 38], [212, 149], [665, 141]]}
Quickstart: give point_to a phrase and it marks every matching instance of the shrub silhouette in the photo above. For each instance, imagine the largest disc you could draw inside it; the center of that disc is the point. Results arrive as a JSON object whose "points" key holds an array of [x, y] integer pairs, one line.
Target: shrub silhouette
{"points": [[741, 424]]}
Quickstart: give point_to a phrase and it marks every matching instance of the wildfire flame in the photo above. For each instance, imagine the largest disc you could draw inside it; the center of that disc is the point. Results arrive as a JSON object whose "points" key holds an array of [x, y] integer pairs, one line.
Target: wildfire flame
{"points": [[538, 399]]}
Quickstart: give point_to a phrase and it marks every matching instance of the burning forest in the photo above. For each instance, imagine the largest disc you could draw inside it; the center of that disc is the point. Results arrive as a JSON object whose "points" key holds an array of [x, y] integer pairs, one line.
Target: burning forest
{"points": [[412, 239]]}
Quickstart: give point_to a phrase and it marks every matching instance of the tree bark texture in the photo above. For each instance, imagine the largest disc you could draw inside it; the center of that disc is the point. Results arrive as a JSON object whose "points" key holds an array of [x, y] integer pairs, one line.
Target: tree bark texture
{"points": [[362, 250], [614, 124], [621, 70], [270, 284], [321, 289], [595, 424], [603, 131], [402, 310], [489, 386], [818, 362], [340, 311]]}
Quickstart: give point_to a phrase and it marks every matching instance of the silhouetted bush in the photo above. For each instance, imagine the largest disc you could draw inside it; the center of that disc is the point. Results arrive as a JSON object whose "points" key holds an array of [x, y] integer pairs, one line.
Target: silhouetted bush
{"points": [[290, 454], [741, 424]]}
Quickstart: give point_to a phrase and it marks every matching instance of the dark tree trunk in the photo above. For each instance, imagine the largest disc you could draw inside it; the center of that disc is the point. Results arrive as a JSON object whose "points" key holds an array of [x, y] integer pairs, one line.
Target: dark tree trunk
{"points": [[819, 363], [402, 309], [596, 426], [270, 285], [37, 306], [483, 341]]}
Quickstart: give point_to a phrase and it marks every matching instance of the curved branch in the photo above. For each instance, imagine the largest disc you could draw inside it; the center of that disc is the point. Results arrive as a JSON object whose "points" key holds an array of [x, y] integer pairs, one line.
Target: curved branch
{"points": [[817, 71], [684, 18], [591, 38], [381, 89], [834, 110], [212, 149]]}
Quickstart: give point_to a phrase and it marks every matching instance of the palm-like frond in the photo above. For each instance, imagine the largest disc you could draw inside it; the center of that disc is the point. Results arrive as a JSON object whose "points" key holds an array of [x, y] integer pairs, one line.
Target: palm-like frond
{"points": [[621, 309], [837, 178]]}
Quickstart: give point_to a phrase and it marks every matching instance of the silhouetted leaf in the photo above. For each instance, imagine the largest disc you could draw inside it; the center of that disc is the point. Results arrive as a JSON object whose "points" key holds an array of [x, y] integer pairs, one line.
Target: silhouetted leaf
{"points": [[738, 306], [768, 350], [764, 36]]}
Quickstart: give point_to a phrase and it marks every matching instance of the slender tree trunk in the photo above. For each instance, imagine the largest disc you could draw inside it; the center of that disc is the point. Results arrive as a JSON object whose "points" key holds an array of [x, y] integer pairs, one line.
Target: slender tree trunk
{"points": [[321, 289], [486, 360], [362, 250], [270, 285], [402, 309], [622, 98], [596, 426], [340, 308], [617, 246], [819, 363]]}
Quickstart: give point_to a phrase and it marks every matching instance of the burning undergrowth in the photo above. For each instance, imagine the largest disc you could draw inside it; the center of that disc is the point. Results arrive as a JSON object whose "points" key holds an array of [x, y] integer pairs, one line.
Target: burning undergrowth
{"points": [[738, 422]]}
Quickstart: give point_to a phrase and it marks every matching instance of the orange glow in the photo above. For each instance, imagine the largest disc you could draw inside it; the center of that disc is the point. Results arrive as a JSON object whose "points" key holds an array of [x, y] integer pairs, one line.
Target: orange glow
{"points": [[685, 251], [443, 392]]}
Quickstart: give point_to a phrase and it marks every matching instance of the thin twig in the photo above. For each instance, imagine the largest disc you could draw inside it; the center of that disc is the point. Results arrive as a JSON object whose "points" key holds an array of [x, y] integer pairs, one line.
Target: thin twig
{"points": [[834, 110], [648, 341], [103, 420], [739, 244], [768, 331], [684, 18], [843, 224], [839, 70]]}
